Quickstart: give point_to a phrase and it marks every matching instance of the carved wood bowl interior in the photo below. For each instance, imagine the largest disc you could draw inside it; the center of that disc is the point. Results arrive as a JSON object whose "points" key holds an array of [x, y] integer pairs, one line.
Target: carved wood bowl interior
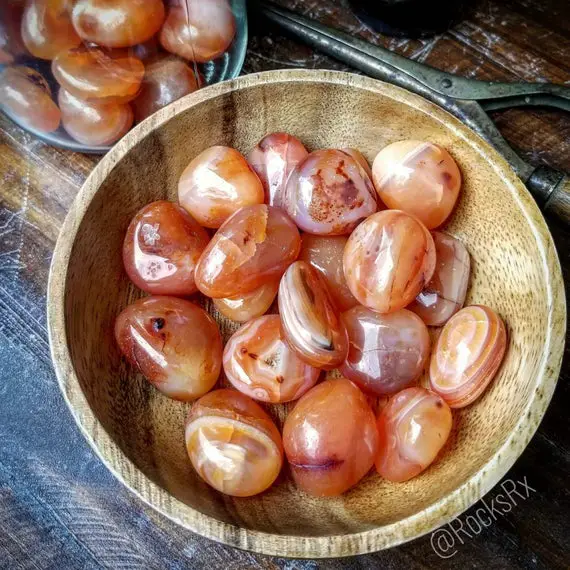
{"points": [[139, 433]]}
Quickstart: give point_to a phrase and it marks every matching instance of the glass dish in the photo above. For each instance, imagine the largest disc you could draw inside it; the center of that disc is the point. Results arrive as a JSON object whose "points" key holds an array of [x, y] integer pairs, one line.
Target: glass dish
{"points": [[226, 66]]}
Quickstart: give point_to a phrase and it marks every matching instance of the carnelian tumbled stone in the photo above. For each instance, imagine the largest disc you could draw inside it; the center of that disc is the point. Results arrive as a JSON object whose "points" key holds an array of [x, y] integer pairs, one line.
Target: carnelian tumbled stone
{"points": [[174, 343], [258, 362], [217, 183], [165, 80], [467, 355], [233, 444], [420, 178], [253, 247], [325, 254], [47, 29], [92, 123], [445, 294], [11, 43], [329, 193], [25, 95], [388, 260], [198, 30], [117, 23], [412, 429], [242, 308], [95, 74], [273, 159], [360, 158], [310, 318], [330, 438], [387, 352], [161, 249]]}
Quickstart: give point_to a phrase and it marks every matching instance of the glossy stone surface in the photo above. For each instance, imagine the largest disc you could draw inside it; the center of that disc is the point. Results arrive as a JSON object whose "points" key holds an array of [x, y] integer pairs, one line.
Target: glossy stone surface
{"points": [[412, 429], [174, 343], [166, 79], [329, 193], [233, 444], [94, 124], [47, 29], [11, 43], [161, 249], [387, 352], [117, 23], [311, 321], [325, 254], [217, 183], [253, 247], [359, 157], [198, 31], [242, 308], [445, 294], [418, 177], [273, 159], [104, 76], [330, 438], [467, 355], [258, 362], [388, 260], [26, 96]]}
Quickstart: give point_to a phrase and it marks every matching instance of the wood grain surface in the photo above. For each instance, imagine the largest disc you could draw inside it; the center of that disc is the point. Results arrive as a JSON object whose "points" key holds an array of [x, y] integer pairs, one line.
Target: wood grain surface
{"points": [[61, 508]]}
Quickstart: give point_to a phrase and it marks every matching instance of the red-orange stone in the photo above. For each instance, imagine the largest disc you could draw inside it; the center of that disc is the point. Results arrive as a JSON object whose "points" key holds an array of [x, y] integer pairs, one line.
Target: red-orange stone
{"points": [[47, 29], [92, 123], [253, 247], [233, 444], [11, 43], [117, 23], [174, 343], [166, 79], [330, 438], [198, 30], [161, 249], [99, 75], [25, 95]]}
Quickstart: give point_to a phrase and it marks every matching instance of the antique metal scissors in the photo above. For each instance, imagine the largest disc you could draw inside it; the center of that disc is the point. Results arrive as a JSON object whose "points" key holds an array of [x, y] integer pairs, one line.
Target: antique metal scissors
{"points": [[467, 99]]}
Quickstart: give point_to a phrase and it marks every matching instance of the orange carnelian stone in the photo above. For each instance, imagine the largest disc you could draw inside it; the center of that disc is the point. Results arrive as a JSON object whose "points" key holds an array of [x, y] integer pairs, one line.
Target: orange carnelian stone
{"points": [[330, 438], [242, 308], [161, 249], [25, 95], [174, 343], [233, 444], [253, 247]]}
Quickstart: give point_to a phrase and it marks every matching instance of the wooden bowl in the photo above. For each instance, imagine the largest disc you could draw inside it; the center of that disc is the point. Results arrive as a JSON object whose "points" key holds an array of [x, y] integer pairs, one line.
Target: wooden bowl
{"points": [[139, 434]]}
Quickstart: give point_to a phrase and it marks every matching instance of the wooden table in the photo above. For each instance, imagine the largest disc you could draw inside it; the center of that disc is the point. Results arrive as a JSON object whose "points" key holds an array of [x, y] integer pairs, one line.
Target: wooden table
{"points": [[60, 507]]}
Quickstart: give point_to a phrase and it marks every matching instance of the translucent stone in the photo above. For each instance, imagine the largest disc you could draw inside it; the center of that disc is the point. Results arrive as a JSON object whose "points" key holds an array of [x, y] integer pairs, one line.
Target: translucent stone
{"points": [[467, 355], [161, 249], [325, 254], [217, 183], [359, 157], [311, 321], [11, 43], [243, 308], [412, 429], [95, 74], [47, 29], [117, 23], [198, 30], [387, 352], [420, 178], [253, 247], [233, 444], [25, 95], [166, 79], [273, 159], [258, 362], [330, 438], [174, 343], [445, 294], [329, 193], [92, 123], [388, 260]]}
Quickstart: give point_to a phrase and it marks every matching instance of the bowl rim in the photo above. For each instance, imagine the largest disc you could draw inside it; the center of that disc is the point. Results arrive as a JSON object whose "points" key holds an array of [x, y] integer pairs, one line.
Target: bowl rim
{"points": [[414, 526]]}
